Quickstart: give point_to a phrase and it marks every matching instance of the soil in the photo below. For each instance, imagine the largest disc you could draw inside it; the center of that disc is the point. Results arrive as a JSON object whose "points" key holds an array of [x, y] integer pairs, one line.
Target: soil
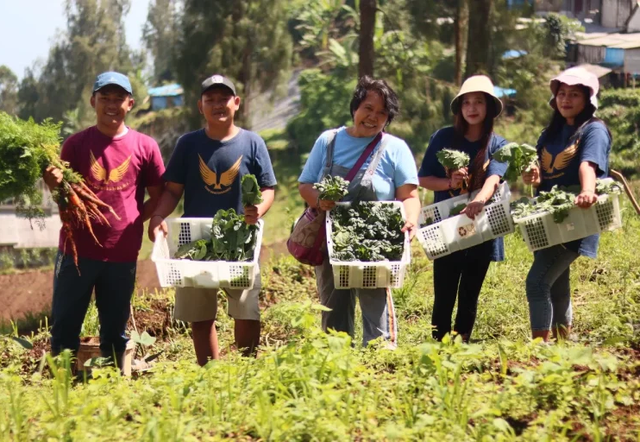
{"points": [[28, 293]]}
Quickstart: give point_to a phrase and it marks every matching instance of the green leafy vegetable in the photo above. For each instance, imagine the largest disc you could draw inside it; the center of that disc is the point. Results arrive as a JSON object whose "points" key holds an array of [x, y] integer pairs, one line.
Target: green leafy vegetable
{"points": [[367, 231], [558, 201], [251, 194], [195, 250], [332, 188], [453, 159], [521, 158], [455, 210], [606, 187], [232, 240]]}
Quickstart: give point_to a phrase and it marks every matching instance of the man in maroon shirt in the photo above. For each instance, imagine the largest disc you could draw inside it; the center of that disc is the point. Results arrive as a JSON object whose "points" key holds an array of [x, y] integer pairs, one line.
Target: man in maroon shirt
{"points": [[118, 164]]}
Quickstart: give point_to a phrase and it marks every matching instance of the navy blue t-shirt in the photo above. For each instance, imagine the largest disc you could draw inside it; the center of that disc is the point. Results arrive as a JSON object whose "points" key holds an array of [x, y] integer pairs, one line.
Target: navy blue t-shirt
{"points": [[211, 170], [560, 157], [443, 139]]}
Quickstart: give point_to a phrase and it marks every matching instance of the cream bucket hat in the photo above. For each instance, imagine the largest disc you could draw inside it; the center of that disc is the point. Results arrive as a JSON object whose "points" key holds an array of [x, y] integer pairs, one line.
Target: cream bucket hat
{"points": [[477, 83]]}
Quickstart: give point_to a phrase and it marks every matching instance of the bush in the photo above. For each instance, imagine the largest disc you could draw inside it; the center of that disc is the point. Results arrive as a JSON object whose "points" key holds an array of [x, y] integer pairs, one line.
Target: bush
{"points": [[620, 109], [324, 103]]}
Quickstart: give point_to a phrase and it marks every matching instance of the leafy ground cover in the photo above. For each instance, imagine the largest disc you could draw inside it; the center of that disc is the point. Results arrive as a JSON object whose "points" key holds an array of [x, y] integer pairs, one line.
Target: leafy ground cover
{"points": [[307, 385]]}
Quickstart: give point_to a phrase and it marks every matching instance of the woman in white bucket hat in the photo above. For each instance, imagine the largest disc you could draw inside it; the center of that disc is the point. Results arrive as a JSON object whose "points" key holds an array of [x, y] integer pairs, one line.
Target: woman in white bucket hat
{"points": [[461, 274], [572, 150]]}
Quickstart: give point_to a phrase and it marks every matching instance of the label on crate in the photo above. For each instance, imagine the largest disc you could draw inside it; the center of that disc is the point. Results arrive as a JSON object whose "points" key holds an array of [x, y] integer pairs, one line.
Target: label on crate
{"points": [[467, 230], [570, 227]]}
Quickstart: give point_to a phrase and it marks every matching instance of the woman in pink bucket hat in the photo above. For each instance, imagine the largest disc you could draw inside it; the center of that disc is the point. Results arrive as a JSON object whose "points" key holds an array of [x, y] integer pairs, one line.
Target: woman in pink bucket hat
{"points": [[572, 150], [461, 274]]}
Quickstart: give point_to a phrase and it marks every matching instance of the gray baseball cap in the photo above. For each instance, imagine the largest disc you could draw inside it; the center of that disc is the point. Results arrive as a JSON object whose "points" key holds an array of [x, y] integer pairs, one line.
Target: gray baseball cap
{"points": [[217, 80]]}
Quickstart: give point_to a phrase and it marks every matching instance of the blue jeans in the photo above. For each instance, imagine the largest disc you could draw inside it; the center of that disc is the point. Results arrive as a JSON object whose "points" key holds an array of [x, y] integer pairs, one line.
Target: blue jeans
{"points": [[113, 282], [548, 290]]}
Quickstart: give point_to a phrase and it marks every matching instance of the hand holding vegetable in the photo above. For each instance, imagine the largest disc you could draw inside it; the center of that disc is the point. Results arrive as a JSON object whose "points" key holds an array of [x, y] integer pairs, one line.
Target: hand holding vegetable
{"points": [[532, 177], [326, 205], [459, 178], [522, 158], [52, 177], [251, 214], [330, 189]]}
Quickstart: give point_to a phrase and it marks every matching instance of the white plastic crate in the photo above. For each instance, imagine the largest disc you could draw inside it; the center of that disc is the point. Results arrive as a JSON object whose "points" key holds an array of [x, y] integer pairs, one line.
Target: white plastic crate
{"points": [[369, 275], [447, 235], [203, 274], [540, 231]]}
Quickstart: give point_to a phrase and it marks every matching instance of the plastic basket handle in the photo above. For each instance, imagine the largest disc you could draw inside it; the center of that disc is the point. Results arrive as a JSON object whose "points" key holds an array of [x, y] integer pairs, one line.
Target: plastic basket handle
{"points": [[618, 176]]}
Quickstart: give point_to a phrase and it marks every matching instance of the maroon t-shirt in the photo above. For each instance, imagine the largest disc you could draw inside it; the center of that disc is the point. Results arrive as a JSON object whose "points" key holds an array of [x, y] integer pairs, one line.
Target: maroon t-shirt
{"points": [[117, 170]]}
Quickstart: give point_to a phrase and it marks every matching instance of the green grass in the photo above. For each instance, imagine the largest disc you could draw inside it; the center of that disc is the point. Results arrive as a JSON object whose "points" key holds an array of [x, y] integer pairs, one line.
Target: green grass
{"points": [[307, 385]]}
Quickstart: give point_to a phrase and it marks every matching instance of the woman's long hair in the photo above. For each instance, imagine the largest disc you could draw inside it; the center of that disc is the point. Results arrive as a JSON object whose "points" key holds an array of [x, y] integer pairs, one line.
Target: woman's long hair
{"points": [[476, 168]]}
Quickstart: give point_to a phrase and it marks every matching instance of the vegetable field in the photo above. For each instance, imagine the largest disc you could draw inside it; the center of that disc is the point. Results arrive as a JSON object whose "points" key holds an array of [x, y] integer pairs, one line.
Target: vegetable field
{"points": [[306, 385]]}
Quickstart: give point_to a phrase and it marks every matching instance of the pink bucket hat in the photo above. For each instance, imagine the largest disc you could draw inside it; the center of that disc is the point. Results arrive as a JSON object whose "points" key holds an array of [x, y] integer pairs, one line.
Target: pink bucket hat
{"points": [[576, 76]]}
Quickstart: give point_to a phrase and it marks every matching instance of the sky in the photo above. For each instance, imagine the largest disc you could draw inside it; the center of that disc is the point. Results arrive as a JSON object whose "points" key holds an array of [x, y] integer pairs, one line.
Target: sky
{"points": [[27, 28]]}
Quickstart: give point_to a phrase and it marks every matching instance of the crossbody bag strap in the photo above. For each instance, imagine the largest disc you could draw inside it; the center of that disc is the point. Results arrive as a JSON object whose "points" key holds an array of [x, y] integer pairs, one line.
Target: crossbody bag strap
{"points": [[363, 157], [330, 148]]}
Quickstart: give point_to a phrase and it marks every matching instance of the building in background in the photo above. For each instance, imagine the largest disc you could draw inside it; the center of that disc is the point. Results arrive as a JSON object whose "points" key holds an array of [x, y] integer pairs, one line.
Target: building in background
{"points": [[167, 96]]}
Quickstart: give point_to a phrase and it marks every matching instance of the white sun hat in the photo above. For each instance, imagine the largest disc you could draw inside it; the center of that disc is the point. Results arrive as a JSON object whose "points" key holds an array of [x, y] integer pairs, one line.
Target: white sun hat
{"points": [[576, 76]]}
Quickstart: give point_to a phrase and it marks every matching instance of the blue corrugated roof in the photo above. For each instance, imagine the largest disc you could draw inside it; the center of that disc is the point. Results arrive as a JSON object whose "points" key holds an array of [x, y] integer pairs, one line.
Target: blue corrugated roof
{"points": [[503, 92], [168, 90]]}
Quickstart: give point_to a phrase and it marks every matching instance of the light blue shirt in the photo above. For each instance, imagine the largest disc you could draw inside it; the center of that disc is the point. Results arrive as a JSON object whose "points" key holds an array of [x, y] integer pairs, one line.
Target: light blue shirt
{"points": [[396, 168]]}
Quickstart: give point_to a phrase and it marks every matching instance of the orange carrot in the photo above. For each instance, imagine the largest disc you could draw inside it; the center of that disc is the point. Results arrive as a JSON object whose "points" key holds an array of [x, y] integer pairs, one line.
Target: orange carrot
{"points": [[68, 237], [81, 212], [87, 194]]}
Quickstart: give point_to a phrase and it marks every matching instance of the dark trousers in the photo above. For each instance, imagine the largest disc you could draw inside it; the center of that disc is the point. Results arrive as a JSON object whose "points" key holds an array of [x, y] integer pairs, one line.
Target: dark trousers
{"points": [[460, 274], [113, 282]]}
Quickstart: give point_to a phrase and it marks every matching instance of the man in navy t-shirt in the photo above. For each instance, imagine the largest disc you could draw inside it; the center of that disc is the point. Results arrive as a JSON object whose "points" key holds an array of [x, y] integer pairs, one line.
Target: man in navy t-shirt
{"points": [[207, 166]]}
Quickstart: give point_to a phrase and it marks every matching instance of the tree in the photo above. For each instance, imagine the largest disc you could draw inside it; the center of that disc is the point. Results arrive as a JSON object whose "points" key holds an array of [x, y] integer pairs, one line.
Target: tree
{"points": [[367, 27], [461, 27], [93, 42], [160, 35], [28, 95], [479, 38], [8, 90], [247, 41]]}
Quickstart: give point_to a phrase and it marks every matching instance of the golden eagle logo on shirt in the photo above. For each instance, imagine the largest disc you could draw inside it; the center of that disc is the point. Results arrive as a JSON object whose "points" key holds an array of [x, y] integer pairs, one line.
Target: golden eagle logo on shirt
{"points": [[114, 176], [219, 184], [561, 161]]}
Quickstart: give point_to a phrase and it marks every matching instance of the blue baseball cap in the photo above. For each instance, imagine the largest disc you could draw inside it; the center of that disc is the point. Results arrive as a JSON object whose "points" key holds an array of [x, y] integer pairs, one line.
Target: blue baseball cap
{"points": [[107, 78]]}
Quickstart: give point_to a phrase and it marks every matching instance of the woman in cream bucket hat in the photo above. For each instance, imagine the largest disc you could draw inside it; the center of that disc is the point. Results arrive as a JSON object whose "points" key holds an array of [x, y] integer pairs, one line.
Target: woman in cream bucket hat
{"points": [[477, 83], [462, 273], [572, 150]]}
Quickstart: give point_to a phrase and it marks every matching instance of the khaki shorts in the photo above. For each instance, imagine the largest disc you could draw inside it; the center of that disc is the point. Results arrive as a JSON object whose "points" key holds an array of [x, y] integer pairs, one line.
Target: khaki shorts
{"points": [[198, 304]]}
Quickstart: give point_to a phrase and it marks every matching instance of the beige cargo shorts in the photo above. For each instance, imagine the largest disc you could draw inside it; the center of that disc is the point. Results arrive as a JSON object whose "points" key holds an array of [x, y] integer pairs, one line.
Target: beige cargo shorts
{"points": [[198, 304]]}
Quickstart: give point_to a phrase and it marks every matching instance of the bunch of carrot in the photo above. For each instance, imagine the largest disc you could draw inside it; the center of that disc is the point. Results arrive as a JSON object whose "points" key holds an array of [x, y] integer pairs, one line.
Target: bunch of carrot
{"points": [[79, 208], [26, 150]]}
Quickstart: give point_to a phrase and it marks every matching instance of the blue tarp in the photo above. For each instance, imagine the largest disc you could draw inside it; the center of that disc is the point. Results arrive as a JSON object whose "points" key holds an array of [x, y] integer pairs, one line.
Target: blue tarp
{"points": [[503, 92], [513, 54], [614, 57], [168, 90]]}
